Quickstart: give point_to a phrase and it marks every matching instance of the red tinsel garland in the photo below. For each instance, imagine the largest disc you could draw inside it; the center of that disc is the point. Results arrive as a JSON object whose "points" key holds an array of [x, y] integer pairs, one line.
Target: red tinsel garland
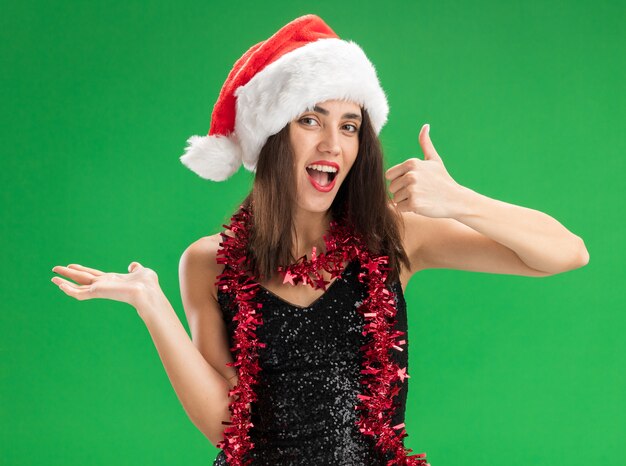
{"points": [[380, 374]]}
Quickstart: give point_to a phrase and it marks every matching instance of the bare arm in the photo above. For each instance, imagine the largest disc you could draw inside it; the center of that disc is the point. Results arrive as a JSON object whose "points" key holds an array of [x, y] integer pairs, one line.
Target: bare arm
{"points": [[201, 389], [454, 227]]}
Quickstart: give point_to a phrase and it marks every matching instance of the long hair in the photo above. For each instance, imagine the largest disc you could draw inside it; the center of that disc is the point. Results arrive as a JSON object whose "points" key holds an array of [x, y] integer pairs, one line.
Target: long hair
{"points": [[361, 200]]}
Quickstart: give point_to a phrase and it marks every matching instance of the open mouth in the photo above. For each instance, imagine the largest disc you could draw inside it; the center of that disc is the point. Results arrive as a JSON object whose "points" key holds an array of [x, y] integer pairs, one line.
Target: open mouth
{"points": [[321, 177]]}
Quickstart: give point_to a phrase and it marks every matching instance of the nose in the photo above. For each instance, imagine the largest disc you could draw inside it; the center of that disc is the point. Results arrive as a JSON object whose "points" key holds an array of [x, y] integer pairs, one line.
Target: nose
{"points": [[330, 141]]}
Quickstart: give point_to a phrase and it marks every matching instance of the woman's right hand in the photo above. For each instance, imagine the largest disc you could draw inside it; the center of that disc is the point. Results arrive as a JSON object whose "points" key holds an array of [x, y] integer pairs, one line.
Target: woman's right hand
{"points": [[132, 288]]}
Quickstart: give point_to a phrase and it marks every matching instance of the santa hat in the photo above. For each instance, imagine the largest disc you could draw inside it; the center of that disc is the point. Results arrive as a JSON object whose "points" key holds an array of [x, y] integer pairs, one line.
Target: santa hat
{"points": [[302, 64]]}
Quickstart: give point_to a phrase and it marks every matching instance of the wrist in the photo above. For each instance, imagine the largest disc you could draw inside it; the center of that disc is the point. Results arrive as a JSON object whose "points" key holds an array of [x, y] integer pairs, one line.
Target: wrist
{"points": [[150, 301], [466, 202]]}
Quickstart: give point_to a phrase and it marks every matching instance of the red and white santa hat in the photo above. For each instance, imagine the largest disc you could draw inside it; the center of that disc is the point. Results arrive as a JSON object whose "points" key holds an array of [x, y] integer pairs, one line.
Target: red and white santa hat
{"points": [[302, 64]]}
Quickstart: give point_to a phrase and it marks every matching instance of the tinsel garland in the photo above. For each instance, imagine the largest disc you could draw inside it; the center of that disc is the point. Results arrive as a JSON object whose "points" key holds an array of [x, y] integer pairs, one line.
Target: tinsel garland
{"points": [[380, 373]]}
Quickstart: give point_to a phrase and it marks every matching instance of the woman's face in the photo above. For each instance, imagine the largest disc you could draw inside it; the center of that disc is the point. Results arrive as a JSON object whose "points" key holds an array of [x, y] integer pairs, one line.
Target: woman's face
{"points": [[327, 134]]}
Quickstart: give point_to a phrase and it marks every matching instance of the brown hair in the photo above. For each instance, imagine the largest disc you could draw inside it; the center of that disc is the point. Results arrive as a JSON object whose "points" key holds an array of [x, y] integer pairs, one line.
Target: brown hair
{"points": [[361, 200]]}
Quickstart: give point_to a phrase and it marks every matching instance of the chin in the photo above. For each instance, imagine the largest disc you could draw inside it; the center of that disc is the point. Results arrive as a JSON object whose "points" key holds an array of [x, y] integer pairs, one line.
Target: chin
{"points": [[316, 204], [316, 207]]}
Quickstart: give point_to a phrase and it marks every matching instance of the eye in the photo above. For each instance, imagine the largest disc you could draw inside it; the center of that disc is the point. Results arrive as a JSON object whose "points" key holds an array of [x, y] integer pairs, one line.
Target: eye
{"points": [[355, 128], [307, 118]]}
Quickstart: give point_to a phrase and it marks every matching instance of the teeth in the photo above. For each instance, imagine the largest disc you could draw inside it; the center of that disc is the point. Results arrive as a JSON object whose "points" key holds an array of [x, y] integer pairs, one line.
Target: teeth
{"points": [[323, 168]]}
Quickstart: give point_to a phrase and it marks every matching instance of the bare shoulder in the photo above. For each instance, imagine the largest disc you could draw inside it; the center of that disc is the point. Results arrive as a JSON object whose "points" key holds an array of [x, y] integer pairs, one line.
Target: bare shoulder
{"points": [[198, 272], [199, 261]]}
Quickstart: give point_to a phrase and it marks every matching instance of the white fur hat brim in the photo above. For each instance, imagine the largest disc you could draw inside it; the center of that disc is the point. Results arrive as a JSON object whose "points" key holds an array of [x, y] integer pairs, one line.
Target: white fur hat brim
{"points": [[318, 71]]}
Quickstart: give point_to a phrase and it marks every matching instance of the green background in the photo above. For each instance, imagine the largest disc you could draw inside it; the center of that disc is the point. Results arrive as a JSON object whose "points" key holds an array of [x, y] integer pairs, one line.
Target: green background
{"points": [[525, 106]]}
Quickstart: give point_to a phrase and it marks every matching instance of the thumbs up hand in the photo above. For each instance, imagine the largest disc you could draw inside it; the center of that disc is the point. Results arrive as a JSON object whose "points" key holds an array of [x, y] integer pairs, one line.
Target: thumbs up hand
{"points": [[424, 186]]}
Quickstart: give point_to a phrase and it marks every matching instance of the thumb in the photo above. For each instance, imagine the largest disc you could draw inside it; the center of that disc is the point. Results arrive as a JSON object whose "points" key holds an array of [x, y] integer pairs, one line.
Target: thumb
{"points": [[427, 145], [133, 266]]}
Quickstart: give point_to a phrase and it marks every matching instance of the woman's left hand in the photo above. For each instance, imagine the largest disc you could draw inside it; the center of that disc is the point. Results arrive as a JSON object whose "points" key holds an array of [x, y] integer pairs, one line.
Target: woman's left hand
{"points": [[424, 186]]}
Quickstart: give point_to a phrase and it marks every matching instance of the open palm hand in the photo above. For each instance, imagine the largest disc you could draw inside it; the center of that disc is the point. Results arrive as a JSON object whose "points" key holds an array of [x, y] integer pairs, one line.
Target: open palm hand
{"points": [[91, 283]]}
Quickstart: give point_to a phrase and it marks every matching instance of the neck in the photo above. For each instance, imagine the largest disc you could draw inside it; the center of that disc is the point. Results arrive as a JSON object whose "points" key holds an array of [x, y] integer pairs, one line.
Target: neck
{"points": [[310, 227]]}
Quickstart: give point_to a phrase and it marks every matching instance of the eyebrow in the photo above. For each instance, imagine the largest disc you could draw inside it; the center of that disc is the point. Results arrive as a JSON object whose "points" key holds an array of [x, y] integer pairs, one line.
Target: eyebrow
{"points": [[323, 111]]}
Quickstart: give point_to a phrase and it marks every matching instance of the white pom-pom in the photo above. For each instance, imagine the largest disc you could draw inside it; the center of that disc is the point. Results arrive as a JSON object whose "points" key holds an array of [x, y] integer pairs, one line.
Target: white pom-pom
{"points": [[214, 158]]}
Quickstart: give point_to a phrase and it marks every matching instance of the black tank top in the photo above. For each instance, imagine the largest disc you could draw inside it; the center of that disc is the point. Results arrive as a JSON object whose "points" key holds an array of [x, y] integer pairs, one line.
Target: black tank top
{"points": [[310, 377]]}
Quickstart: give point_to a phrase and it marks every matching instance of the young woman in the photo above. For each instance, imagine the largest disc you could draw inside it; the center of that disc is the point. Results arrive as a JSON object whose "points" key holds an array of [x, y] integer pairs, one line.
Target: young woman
{"points": [[296, 309]]}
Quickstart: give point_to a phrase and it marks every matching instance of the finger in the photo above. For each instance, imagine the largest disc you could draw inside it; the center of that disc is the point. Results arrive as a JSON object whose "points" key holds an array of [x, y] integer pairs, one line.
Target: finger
{"points": [[397, 184], [78, 292], [81, 277], [400, 182], [404, 206], [400, 169], [61, 281], [401, 195], [427, 145], [86, 269], [134, 266]]}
